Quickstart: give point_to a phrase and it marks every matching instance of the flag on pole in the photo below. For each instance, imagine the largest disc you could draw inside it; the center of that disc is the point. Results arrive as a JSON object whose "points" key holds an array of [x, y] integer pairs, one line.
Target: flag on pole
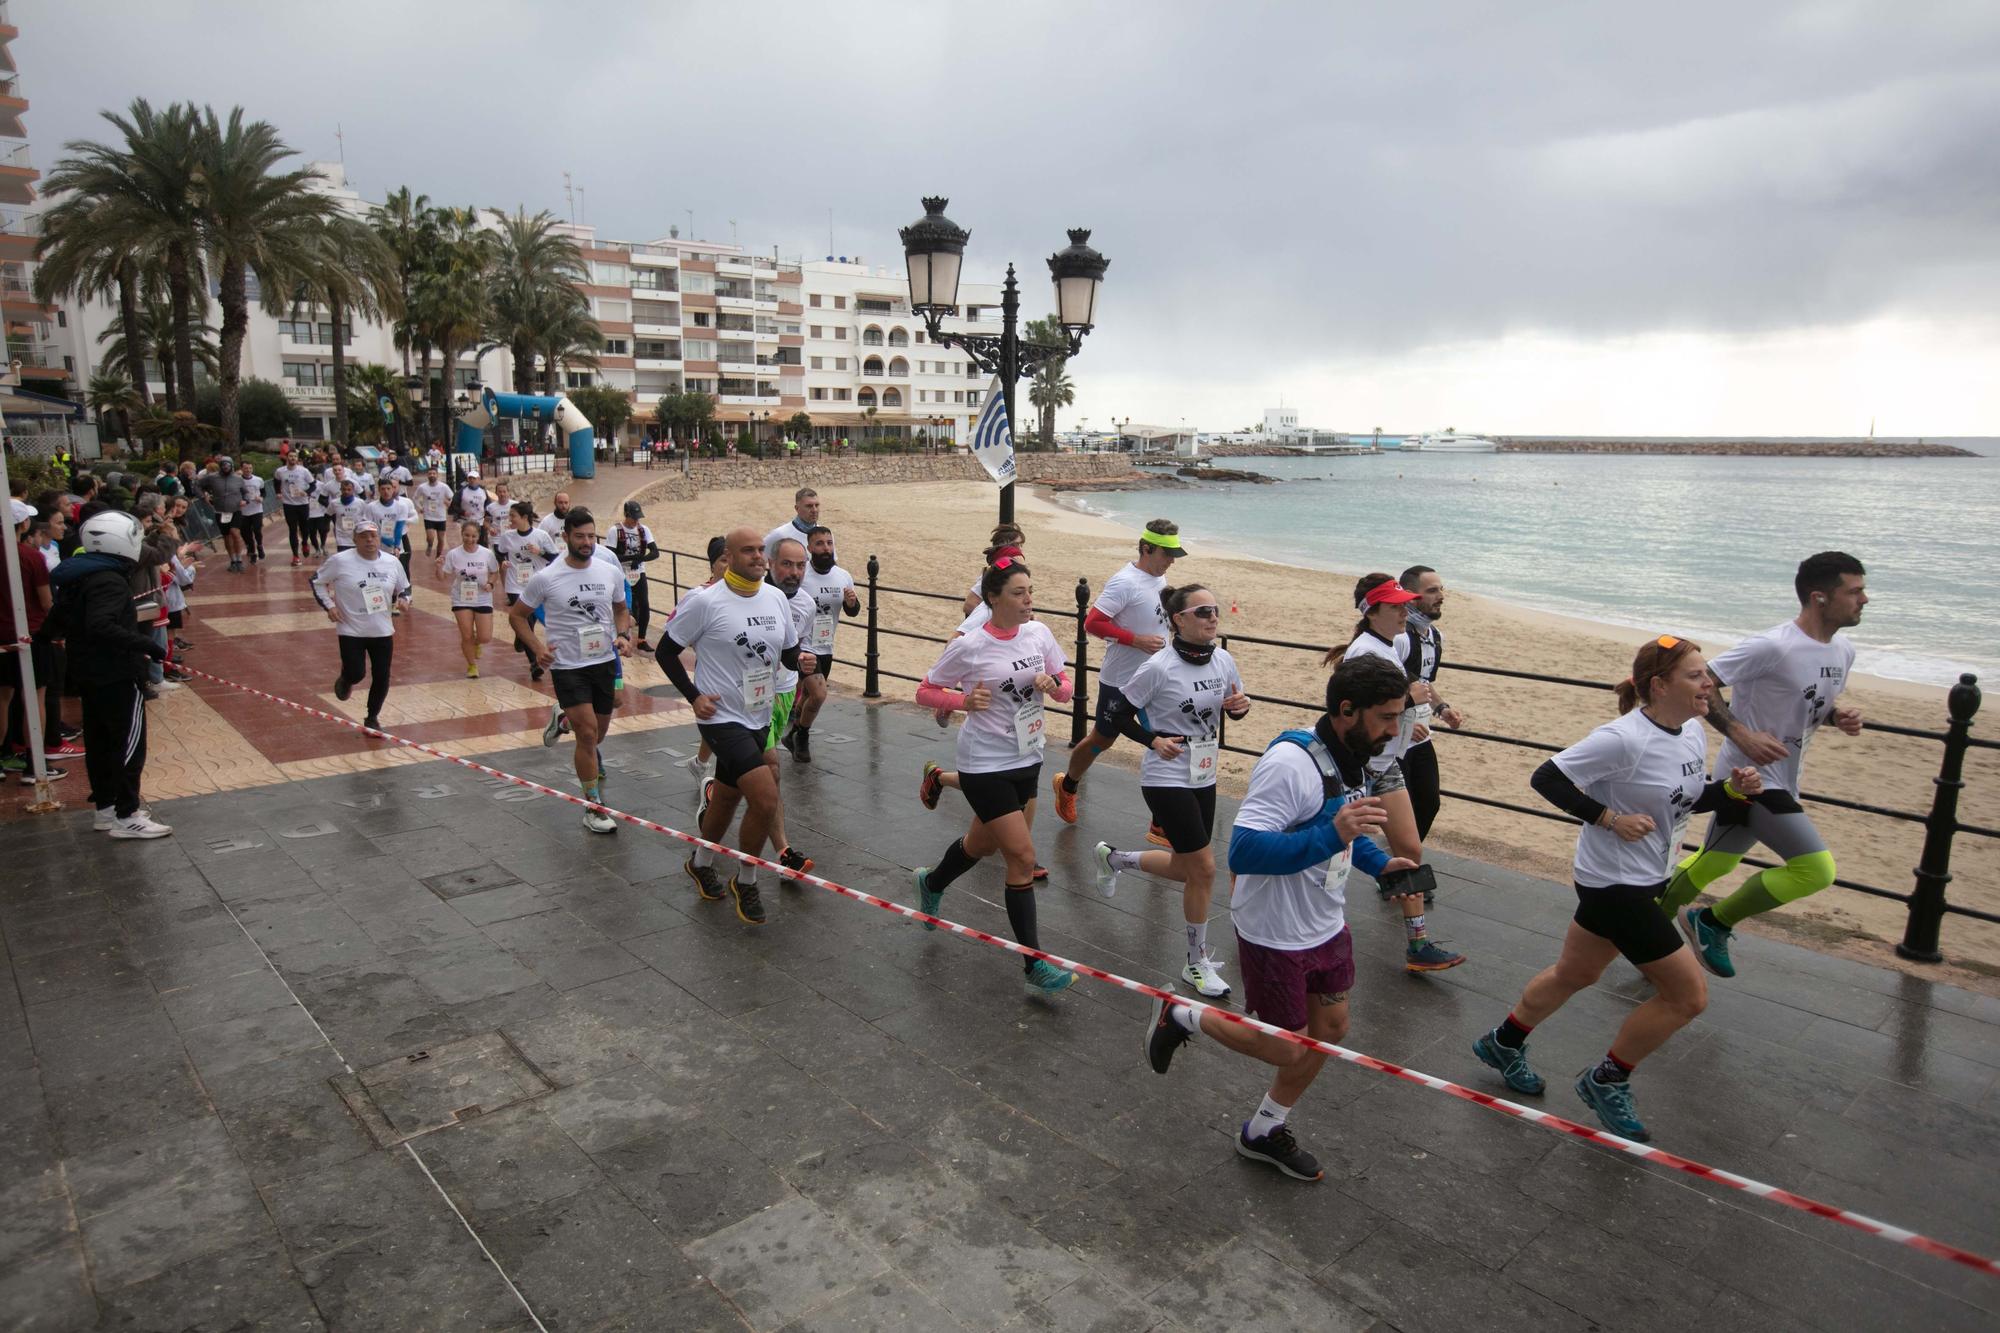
{"points": [[993, 436]]}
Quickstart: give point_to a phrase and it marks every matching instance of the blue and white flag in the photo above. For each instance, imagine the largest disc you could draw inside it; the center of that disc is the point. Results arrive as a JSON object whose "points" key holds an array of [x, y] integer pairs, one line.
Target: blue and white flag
{"points": [[993, 437]]}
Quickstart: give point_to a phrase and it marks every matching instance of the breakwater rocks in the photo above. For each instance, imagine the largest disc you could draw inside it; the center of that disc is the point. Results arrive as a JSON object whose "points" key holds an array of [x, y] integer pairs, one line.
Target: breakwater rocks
{"points": [[1739, 448], [1225, 474]]}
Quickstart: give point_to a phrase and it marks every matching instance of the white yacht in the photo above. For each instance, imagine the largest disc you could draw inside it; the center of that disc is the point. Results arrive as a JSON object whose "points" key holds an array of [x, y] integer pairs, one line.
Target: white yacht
{"points": [[1448, 442]]}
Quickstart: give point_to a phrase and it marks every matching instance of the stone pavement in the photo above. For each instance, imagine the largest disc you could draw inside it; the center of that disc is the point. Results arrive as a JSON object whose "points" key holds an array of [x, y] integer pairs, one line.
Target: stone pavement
{"points": [[401, 1049]]}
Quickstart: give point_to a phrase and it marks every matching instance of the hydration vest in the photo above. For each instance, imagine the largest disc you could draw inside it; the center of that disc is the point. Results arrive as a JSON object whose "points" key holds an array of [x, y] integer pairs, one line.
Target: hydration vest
{"points": [[1333, 788]]}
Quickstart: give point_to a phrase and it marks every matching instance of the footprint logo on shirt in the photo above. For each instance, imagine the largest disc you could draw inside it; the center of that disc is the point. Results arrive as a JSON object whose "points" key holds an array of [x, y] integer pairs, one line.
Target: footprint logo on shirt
{"points": [[1204, 718], [754, 648], [585, 609], [1011, 690]]}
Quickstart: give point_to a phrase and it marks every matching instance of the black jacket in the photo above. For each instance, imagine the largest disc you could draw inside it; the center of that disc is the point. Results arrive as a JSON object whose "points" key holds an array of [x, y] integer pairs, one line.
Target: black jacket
{"points": [[93, 596]]}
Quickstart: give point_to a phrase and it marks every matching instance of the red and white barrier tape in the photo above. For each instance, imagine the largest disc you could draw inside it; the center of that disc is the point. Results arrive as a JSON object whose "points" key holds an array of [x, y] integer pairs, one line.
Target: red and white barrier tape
{"points": [[1645, 1152]]}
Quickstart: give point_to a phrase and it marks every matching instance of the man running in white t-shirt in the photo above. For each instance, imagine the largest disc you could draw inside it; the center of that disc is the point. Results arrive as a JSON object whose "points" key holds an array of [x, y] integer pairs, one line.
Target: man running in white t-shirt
{"points": [[357, 587], [434, 504], [831, 589], [805, 516]]}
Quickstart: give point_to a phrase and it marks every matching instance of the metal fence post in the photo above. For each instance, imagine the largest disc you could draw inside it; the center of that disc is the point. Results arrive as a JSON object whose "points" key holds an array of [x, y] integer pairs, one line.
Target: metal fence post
{"points": [[1080, 702], [1920, 932], [674, 572], [872, 689], [1221, 715]]}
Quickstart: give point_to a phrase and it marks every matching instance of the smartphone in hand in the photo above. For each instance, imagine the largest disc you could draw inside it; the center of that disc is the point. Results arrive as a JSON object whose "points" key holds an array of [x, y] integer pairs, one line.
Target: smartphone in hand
{"points": [[1404, 883]]}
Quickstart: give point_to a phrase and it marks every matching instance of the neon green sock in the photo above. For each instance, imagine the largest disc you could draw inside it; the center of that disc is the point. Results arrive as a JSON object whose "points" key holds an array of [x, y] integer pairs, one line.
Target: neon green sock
{"points": [[1798, 878]]}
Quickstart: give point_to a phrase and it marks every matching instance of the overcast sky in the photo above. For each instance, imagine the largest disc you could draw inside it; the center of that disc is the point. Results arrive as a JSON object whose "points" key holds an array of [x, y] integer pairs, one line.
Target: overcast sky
{"points": [[1690, 218]]}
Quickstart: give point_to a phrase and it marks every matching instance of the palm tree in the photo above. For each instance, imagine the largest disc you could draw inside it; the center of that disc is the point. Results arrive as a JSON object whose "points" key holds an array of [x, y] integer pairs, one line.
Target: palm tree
{"points": [[361, 407], [78, 258], [570, 338], [133, 201], [182, 430], [156, 331], [1049, 389], [449, 305], [253, 220], [533, 289], [352, 272], [112, 397], [407, 224], [869, 412]]}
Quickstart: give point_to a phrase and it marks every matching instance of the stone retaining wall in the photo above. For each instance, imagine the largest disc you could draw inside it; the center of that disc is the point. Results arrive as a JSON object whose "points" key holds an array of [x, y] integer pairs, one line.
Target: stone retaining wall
{"points": [[744, 474]]}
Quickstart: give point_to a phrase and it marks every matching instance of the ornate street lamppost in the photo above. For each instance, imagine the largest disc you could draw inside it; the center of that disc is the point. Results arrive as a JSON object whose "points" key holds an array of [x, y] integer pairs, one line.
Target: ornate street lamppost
{"points": [[934, 251]]}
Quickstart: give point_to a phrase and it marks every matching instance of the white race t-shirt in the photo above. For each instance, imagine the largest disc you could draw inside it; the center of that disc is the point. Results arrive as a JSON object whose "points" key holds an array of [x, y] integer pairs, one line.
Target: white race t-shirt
{"points": [[345, 515], [469, 576], [829, 594], [434, 500], [577, 614], [1177, 698], [552, 524], [801, 604], [789, 528], [737, 642], [1636, 767], [1009, 732], [525, 552], [1297, 911], [393, 518], [362, 591], [294, 484], [1783, 681], [1367, 644], [253, 494], [472, 506], [981, 614], [1132, 600], [496, 511]]}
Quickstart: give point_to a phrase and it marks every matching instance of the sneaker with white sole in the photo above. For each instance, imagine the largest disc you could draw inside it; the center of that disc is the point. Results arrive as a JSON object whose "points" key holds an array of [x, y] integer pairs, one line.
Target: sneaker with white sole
{"points": [[139, 825], [1204, 975], [105, 818], [554, 728], [599, 822], [1107, 874], [1047, 978]]}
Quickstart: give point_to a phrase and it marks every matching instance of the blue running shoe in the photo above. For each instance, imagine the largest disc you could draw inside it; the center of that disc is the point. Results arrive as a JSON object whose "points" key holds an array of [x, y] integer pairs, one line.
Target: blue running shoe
{"points": [[1710, 943], [927, 900], [1613, 1104], [1512, 1062], [1046, 977]]}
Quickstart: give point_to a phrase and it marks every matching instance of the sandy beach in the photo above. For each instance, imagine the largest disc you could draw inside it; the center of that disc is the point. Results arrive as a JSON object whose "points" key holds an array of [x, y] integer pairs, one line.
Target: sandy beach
{"points": [[929, 535]]}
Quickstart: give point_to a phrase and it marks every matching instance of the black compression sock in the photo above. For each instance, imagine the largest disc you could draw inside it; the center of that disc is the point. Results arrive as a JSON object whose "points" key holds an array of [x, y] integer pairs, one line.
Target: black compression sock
{"points": [[1021, 917], [1069, 783], [1713, 922], [950, 866], [1511, 1033]]}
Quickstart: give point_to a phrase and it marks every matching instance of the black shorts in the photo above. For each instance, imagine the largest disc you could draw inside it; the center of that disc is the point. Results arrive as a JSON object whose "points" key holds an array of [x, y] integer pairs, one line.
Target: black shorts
{"points": [[1185, 814], [175, 619], [476, 610], [994, 796], [737, 749], [224, 522], [595, 685], [1107, 696], [433, 525], [824, 667], [1630, 917]]}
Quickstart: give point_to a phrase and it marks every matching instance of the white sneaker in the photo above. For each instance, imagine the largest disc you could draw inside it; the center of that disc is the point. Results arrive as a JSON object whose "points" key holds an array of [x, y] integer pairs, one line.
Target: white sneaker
{"points": [[554, 728], [695, 766], [1107, 877], [107, 816], [168, 685], [599, 822], [140, 825], [1205, 977]]}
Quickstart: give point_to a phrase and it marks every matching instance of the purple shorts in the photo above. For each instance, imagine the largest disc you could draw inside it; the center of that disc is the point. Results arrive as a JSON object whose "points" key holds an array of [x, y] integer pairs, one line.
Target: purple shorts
{"points": [[1276, 982]]}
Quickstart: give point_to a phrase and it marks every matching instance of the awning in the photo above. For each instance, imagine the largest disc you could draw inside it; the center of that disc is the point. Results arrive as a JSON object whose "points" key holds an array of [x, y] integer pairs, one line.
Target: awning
{"points": [[28, 403]]}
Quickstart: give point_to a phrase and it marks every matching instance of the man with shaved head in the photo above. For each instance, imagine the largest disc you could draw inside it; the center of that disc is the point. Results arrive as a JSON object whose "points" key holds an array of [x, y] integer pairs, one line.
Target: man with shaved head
{"points": [[743, 634]]}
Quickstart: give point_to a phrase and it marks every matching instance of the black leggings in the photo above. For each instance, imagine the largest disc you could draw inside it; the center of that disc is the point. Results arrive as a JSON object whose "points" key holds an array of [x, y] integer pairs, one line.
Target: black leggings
{"points": [[641, 608], [298, 527], [252, 528], [1420, 773], [369, 657], [317, 529]]}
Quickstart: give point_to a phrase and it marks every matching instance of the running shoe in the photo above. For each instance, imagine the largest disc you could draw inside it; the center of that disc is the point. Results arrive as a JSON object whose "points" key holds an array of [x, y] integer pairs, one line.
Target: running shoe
{"points": [[1511, 1061], [534, 672], [927, 900], [139, 825], [801, 746], [1281, 1150], [749, 903], [1065, 801], [1041, 873], [1158, 837], [554, 728], [55, 774], [1047, 978], [791, 860], [104, 819], [599, 822], [342, 688], [72, 734], [1426, 956], [65, 750], [701, 801], [707, 882], [932, 786], [696, 765], [471, 671], [296, 562], [1613, 1104], [178, 675], [1205, 976], [1164, 1037], [372, 723], [1107, 875], [1710, 944], [13, 762]]}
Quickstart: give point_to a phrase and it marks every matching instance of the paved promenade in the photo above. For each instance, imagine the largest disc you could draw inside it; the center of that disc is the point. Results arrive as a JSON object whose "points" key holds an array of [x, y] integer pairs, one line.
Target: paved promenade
{"points": [[378, 1044]]}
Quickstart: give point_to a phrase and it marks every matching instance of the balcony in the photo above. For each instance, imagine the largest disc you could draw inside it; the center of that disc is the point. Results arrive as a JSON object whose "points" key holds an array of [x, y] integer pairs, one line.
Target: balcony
{"points": [[12, 104], [882, 309], [18, 177], [748, 399], [656, 363], [654, 329]]}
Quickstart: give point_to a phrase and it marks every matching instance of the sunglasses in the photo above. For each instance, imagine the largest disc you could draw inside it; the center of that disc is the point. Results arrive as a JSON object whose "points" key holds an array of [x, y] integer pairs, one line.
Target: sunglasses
{"points": [[1201, 612]]}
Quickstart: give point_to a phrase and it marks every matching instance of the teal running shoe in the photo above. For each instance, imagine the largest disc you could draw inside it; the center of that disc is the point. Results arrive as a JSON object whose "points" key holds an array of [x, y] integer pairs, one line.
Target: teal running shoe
{"points": [[1710, 943], [1046, 977], [927, 900], [1512, 1062], [1613, 1104]]}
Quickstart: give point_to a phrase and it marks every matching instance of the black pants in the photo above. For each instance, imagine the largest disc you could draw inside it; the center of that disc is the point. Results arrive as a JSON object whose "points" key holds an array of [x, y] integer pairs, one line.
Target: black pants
{"points": [[114, 737], [298, 527], [317, 529], [1420, 771], [369, 657], [641, 608], [252, 528]]}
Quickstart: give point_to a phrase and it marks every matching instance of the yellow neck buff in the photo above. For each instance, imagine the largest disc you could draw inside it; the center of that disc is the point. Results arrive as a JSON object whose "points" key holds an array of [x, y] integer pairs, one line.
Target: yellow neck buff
{"points": [[738, 584]]}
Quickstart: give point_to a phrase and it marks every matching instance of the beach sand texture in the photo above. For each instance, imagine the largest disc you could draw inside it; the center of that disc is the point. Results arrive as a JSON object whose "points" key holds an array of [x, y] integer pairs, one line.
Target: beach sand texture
{"points": [[929, 535]]}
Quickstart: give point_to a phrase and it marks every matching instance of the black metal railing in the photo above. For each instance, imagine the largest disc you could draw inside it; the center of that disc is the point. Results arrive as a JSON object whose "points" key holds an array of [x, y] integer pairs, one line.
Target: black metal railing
{"points": [[1927, 903]]}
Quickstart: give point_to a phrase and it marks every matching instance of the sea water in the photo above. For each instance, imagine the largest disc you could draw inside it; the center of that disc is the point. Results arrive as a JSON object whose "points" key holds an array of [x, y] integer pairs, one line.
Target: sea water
{"points": [[1704, 546]]}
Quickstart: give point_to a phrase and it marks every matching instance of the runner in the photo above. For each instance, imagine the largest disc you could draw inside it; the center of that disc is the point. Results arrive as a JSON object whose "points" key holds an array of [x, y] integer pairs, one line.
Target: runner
{"points": [[999, 675], [393, 514], [223, 490], [434, 502], [251, 517], [1384, 606], [788, 576], [805, 516], [471, 505], [741, 632], [524, 548], [831, 589], [702, 762], [321, 496], [1127, 615], [472, 573], [1174, 705], [497, 505], [558, 510], [356, 587], [1783, 684], [1310, 813], [1419, 761], [344, 513], [1007, 539], [583, 606], [295, 485], [1633, 783], [632, 542]]}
